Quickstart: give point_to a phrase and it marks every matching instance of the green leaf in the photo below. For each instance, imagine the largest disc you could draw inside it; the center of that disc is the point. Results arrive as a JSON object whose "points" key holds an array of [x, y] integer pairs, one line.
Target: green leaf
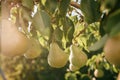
{"points": [[26, 14], [115, 69], [90, 10], [106, 66], [42, 22], [109, 4], [115, 30], [24, 18], [113, 22], [58, 34], [63, 6], [99, 44], [43, 2], [51, 5], [101, 29], [68, 28], [28, 4], [70, 33]]}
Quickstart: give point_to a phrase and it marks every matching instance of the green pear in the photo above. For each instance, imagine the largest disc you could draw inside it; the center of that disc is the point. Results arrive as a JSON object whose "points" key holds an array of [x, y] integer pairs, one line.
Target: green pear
{"points": [[77, 57], [112, 50], [34, 50], [57, 58], [13, 42], [98, 73], [73, 67]]}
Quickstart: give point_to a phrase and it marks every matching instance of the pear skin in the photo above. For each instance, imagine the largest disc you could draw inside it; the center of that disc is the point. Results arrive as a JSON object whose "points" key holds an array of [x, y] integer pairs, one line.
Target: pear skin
{"points": [[34, 50], [77, 57], [13, 42], [112, 50], [57, 58]]}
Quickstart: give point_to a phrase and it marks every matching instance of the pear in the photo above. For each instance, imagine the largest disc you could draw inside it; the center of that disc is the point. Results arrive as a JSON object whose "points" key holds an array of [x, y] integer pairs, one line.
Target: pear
{"points": [[57, 58], [77, 57], [13, 42], [72, 67], [34, 50], [112, 50], [98, 73]]}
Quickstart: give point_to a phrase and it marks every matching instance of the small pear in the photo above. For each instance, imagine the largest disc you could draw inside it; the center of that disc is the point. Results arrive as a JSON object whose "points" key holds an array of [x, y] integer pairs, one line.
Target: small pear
{"points": [[72, 67], [13, 42], [98, 73], [57, 58], [34, 50], [77, 57]]}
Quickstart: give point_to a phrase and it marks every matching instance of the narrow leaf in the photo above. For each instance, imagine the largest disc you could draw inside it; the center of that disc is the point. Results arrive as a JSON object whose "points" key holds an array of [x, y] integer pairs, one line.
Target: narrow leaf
{"points": [[99, 44]]}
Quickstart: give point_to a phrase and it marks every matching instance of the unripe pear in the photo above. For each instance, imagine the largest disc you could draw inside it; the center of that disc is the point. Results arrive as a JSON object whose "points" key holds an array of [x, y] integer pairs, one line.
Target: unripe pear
{"points": [[98, 73], [72, 67], [112, 50], [57, 58], [34, 50], [13, 42], [77, 57]]}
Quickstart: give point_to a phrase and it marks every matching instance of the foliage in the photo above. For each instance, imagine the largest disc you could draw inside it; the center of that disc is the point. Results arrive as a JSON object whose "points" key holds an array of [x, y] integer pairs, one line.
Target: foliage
{"points": [[85, 23]]}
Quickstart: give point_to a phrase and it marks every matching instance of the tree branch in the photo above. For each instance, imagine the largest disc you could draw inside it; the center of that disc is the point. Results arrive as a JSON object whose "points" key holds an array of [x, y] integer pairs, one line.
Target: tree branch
{"points": [[75, 4]]}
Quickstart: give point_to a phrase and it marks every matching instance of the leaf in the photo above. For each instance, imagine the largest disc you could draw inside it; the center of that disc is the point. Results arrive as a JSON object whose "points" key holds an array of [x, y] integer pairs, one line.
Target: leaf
{"points": [[113, 21], [109, 4], [45, 18], [24, 17], [107, 66], [58, 34], [26, 14], [99, 44], [115, 30], [90, 10], [43, 2], [115, 69], [51, 5], [101, 29], [70, 33], [68, 28], [42, 23], [63, 7], [28, 4]]}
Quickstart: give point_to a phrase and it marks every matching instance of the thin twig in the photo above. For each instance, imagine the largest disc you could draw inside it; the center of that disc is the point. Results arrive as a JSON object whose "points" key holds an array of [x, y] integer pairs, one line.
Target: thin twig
{"points": [[82, 31]]}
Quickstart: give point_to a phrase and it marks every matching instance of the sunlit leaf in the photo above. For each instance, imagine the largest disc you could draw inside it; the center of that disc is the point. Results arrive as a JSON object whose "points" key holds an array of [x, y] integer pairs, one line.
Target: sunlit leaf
{"points": [[68, 28], [43, 2]]}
